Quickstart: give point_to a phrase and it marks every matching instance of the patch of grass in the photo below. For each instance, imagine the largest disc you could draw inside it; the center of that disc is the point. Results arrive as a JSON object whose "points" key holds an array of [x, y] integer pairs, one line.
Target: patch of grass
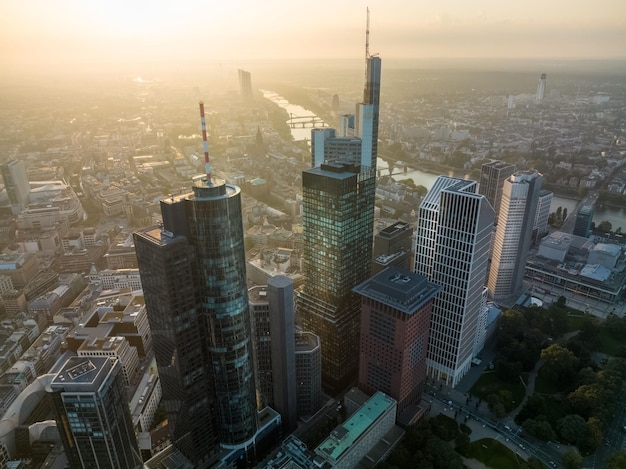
{"points": [[489, 383], [545, 385], [574, 321], [494, 454]]}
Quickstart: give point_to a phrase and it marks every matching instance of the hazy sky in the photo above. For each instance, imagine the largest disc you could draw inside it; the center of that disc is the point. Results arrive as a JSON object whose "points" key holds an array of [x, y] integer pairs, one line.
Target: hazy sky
{"points": [[42, 32]]}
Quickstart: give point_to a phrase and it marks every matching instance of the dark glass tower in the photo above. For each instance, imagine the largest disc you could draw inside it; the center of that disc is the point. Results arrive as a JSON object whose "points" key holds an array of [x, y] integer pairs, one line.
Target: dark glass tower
{"points": [[338, 216], [91, 409], [193, 273]]}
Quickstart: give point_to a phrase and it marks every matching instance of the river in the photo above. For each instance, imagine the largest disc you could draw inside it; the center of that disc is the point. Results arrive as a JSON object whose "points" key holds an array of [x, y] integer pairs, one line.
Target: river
{"points": [[298, 133], [616, 216]]}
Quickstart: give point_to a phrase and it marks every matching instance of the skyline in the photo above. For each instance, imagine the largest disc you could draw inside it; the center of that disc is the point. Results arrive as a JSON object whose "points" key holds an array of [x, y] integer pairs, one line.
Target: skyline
{"points": [[113, 33]]}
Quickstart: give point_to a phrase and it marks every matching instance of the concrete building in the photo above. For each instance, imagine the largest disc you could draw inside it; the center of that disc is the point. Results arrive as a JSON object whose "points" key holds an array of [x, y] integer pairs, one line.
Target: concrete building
{"points": [[513, 236], [541, 87], [308, 374], [452, 249], [16, 184], [349, 442], [396, 309], [392, 247], [114, 348]]}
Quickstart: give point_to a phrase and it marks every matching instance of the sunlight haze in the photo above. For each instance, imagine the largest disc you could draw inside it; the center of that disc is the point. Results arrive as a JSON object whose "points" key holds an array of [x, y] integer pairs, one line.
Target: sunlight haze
{"points": [[114, 31]]}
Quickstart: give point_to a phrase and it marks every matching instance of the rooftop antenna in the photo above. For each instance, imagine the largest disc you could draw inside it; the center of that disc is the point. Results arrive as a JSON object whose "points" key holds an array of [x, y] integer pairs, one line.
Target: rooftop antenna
{"points": [[367, 41], [205, 143]]}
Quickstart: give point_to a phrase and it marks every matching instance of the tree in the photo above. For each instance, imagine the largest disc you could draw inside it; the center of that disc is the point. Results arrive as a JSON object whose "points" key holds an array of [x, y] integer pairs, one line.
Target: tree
{"points": [[605, 226], [564, 215], [617, 461], [572, 460], [559, 362], [586, 399], [561, 301], [572, 428], [540, 428], [421, 190], [463, 444]]}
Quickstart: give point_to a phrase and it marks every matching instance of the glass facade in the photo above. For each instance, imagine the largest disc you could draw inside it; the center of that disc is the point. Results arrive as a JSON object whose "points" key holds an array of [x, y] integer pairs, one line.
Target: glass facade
{"points": [[338, 216], [194, 278]]}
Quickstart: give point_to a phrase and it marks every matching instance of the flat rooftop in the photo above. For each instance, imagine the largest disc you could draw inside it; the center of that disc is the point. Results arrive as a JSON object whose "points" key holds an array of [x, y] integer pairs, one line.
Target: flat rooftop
{"points": [[403, 290], [346, 434]]}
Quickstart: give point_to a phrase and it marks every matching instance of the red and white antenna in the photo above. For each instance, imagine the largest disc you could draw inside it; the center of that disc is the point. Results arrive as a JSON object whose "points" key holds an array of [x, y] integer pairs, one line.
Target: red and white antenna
{"points": [[205, 143]]}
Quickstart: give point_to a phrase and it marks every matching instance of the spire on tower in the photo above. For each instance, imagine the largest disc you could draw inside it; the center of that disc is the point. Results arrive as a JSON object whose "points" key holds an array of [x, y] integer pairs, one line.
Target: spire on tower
{"points": [[205, 143]]}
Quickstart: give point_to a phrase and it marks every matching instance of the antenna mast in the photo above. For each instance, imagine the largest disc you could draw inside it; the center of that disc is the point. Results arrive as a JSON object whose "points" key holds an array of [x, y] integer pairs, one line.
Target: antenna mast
{"points": [[205, 143]]}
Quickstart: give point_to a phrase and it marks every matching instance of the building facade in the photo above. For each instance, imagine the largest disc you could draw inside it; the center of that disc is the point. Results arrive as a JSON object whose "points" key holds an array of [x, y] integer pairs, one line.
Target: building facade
{"points": [[91, 409], [392, 247], [513, 236], [396, 309], [338, 206], [584, 217], [194, 282], [16, 184], [492, 177], [452, 249]]}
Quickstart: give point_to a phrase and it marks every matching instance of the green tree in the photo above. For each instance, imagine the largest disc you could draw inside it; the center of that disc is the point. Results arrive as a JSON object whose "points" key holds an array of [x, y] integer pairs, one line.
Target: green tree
{"points": [[572, 428], [586, 399], [572, 460], [462, 444], [540, 428], [560, 364], [617, 460], [605, 226], [421, 190]]}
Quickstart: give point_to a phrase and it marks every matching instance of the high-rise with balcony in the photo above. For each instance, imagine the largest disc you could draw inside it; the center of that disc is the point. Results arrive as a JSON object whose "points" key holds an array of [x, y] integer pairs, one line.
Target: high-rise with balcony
{"points": [[452, 250], [514, 235], [193, 272]]}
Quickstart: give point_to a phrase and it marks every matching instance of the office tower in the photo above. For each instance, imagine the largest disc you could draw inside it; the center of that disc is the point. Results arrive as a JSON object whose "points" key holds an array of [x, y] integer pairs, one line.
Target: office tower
{"points": [[492, 177], [16, 184], [392, 246], [245, 86], [338, 218], [338, 215], [193, 272], [452, 249], [308, 373], [272, 308], [541, 87], [584, 217], [346, 125], [91, 409], [396, 309], [540, 228], [514, 235], [327, 147]]}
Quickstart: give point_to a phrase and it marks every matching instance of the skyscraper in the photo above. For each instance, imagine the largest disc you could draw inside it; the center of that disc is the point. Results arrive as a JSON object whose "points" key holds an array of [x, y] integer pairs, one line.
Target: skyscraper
{"points": [[338, 218], [396, 311], [514, 235], [16, 184], [540, 228], [541, 87], [338, 214], [245, 86], [452, 249], [584, 217], [193, 272], [272, 307], [91, 409], [492, 177]]}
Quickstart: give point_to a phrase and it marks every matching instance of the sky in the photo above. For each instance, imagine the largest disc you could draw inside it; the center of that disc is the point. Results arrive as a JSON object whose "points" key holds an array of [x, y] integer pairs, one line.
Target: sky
{"points": [[38, 32]]}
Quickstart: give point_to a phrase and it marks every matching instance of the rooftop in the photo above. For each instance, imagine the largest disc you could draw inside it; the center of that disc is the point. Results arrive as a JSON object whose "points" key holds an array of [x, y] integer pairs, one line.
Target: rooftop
{"points": [[346, 434], [403, 290]]}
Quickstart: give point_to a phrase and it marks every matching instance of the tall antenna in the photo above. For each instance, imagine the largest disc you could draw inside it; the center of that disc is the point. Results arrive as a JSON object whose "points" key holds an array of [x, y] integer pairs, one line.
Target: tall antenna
{"points": [[367, 35], [205, 143]]}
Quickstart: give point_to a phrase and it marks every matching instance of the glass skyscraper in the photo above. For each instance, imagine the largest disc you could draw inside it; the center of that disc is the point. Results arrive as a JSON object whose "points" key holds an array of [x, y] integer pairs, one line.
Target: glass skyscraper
{"points": [[91, 409], [193, 271], [338, 217]]}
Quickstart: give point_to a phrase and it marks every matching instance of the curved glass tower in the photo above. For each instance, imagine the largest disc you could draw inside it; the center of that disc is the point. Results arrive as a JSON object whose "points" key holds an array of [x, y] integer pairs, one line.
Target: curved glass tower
{"points": [[193, 270]]}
